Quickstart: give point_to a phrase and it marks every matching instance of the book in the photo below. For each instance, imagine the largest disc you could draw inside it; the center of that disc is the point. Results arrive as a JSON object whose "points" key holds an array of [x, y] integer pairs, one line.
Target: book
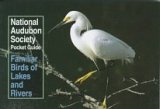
{"points": [[79, 54]]}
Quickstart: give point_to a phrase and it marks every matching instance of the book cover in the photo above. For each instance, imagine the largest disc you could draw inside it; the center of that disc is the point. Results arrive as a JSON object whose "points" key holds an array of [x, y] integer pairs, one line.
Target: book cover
{"points": [[79, 54]]}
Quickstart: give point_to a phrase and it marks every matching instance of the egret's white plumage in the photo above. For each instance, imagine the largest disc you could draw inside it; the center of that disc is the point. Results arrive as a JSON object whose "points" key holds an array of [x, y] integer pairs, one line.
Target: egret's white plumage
{"points": [[106, 47], [95, 43]]}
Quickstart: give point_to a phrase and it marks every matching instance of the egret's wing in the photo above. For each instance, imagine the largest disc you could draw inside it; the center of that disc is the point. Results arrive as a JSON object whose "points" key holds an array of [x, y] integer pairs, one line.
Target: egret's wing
{"points": [[108, 47]]}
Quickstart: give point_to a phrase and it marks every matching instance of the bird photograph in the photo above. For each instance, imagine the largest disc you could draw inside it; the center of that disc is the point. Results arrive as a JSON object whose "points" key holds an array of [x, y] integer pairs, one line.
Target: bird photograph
{"points": [[111, 59], [95, 44]]}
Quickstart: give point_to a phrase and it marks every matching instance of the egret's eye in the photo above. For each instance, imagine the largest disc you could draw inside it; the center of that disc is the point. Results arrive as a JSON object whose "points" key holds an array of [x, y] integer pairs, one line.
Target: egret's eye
{"points": [[66, 19]]}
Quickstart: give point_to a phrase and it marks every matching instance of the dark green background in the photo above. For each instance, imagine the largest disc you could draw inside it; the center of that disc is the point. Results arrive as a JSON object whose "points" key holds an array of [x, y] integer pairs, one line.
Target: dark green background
{"points": [[136, 23]]}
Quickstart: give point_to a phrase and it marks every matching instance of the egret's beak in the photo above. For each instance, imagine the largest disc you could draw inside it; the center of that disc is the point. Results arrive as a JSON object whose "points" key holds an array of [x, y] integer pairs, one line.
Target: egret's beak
{"points": [[65, 20], [57, 26]]}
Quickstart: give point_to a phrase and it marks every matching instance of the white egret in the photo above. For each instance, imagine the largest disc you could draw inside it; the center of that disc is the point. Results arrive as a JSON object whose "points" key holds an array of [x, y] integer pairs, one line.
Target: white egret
{"points": [[96, 44]]}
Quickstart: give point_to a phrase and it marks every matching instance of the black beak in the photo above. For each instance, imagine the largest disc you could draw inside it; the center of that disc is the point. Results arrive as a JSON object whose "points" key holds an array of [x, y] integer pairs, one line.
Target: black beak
{"points": [[57, 26]]}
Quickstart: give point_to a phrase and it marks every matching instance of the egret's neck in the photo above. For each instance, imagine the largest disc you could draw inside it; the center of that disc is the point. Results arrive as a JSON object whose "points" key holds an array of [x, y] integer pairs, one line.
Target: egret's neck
{"points": [[77, 37], [81, 24], [75, 34], [75, 31]]}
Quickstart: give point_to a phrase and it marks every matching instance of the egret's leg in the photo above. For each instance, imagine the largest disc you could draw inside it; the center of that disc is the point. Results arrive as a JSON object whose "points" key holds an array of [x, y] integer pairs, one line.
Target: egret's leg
{"points": [[99, 65], [104, 103], [85, 77]]}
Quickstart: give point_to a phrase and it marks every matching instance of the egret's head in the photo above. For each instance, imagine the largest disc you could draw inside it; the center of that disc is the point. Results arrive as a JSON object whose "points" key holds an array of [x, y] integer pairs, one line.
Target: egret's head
{"points": [[74, 16], [79, 18], [71, 16]]}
